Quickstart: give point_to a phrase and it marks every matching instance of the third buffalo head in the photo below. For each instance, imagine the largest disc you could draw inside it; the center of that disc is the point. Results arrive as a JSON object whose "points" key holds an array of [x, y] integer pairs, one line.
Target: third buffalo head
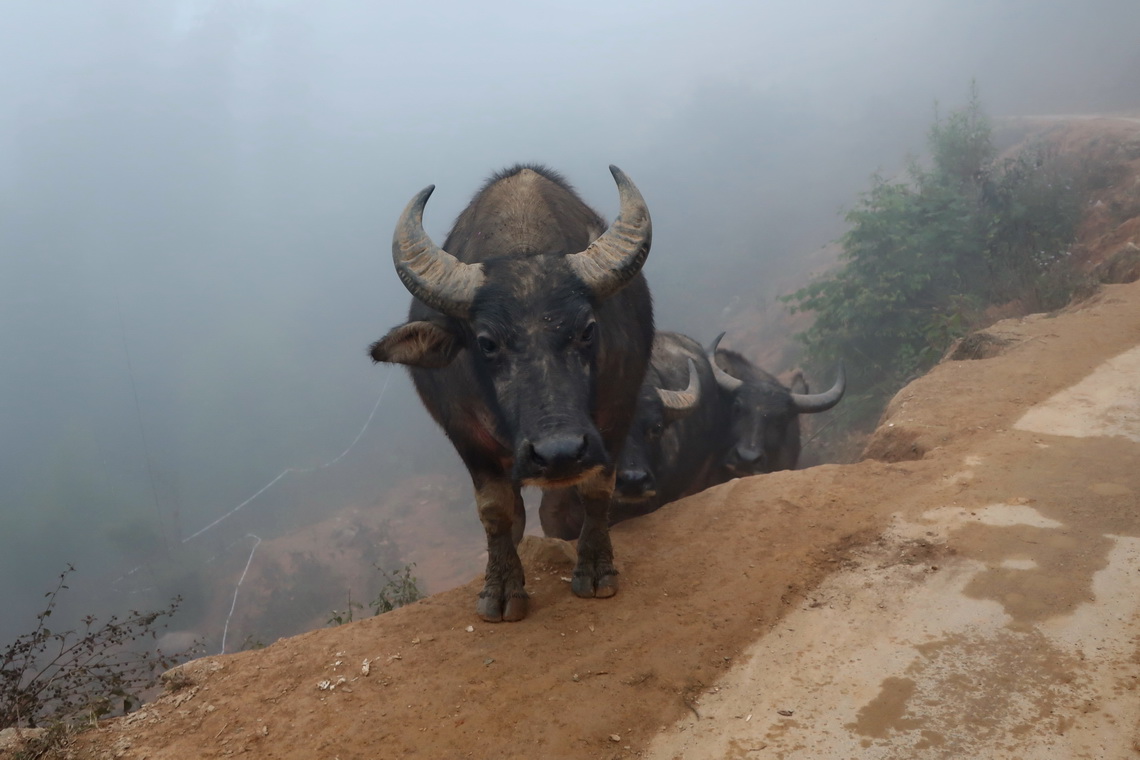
{"points": [[765, 429]]}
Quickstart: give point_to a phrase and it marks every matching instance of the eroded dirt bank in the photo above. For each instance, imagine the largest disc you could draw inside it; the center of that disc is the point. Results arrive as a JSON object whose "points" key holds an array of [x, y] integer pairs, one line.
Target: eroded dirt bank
{"points": [[975, 591]]}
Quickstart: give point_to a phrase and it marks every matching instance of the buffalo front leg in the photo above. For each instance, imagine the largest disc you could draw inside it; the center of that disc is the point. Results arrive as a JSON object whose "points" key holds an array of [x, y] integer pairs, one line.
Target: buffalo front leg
{"points": [[595, 574], [501, 511]]}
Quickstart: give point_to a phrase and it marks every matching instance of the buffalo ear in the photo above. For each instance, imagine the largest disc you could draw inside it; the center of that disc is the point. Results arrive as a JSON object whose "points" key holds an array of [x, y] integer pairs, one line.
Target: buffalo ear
{"points": [[427, 345]]}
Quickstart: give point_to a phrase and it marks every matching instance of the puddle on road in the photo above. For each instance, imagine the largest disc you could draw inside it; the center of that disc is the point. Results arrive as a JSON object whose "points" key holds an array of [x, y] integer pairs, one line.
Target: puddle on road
{"points": [[885, 712], [1034, 566], [970, 688], [1034, 573], [996, 652], [1024, 644]]}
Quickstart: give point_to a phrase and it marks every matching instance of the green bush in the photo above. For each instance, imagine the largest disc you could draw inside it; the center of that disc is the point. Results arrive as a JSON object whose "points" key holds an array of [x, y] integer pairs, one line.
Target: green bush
{"points": [[399, 588], [924, 256]]}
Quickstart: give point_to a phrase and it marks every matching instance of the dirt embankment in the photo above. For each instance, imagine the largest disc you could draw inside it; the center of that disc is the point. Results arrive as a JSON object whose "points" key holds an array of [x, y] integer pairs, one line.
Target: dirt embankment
{"points": [[969, 590], [837, 604]]}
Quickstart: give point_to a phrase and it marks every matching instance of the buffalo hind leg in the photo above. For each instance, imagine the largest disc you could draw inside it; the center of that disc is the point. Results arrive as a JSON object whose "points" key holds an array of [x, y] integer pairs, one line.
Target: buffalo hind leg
{"points": [[560, 513], [595, 574], [501, 511]]}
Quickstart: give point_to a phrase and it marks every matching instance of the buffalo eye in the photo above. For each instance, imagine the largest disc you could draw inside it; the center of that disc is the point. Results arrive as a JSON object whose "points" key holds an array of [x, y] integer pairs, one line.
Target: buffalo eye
{"points": [[588, 333], [487, 345], [656, 430]]}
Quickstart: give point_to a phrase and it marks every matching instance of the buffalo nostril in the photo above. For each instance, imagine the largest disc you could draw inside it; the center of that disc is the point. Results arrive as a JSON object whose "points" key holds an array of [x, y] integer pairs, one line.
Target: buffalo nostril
{"points": [[558, 450], [634, 480], [748, 455]]}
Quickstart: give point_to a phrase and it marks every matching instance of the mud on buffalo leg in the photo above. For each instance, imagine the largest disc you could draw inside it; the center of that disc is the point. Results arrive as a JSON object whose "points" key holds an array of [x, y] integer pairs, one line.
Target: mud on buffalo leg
{"points": [[501, 511], [595, 574]]}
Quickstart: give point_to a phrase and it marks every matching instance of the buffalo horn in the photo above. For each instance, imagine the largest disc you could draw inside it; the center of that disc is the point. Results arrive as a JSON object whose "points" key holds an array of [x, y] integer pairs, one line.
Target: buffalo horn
{"points": [[430, 273], [821, 402], [610, 262], [723, 379], [681, 402]]}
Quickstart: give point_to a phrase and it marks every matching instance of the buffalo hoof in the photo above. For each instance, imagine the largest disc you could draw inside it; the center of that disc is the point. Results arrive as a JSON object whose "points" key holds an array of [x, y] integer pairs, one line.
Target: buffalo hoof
{"points": [[594, 585], [494, 608], [606, 587]]}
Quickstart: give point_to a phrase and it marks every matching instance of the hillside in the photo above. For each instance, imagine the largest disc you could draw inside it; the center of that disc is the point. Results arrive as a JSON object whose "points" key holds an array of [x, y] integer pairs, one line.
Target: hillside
{"points": [[969, 589]]}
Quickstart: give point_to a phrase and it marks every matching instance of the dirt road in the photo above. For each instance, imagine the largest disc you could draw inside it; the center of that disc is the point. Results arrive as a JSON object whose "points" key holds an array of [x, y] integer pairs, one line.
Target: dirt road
{"points": [[1011, 628], [973, 590]]}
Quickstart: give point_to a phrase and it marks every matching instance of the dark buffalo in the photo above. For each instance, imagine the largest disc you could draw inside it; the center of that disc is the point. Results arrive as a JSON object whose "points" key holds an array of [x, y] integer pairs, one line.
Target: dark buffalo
{"points": [[675, 444], [527, 339], [765, 422]]}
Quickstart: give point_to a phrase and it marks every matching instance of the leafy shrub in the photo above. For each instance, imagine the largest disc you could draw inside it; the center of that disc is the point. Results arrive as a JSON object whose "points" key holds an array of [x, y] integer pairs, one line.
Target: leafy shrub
{"points": [[400, 588], [347, 615], [924, 256], [101, 670], [1033, 202]]}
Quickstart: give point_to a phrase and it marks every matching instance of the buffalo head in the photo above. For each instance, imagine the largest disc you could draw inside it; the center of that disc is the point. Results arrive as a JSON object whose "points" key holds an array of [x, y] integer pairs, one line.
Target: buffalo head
{"points": [[765, 428], [525, 320], [657, 409]]}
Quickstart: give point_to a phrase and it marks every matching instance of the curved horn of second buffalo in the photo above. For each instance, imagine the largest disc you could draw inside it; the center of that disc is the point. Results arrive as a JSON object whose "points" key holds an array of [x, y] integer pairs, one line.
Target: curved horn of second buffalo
{"points": [[723, 379], [610, 262], [682, 402], [821, 402], [430, 273]]}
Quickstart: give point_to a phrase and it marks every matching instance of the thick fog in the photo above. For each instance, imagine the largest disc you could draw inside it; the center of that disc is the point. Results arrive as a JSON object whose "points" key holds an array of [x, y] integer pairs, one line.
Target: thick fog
{"points": [[197, 201]]}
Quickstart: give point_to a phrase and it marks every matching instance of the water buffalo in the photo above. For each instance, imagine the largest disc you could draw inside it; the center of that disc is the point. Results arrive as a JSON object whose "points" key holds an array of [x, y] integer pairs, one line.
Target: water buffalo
{"points": [[676, 440], [527, 340], [765, 426]]}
